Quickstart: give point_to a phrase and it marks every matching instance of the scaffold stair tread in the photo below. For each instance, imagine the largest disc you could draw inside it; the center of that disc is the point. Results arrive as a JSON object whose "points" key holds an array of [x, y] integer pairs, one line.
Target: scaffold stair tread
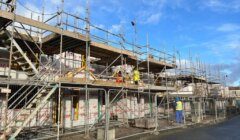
{"points": [[29, 109], [16, 53], [19, 120], [24, 64], [27, 69], [39, 95], [25, 114], [30, 74], [21, 58]]}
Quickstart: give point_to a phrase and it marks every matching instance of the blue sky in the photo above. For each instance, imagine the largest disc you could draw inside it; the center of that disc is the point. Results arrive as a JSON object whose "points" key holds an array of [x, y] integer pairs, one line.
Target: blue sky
{"points": [[208, 29]]}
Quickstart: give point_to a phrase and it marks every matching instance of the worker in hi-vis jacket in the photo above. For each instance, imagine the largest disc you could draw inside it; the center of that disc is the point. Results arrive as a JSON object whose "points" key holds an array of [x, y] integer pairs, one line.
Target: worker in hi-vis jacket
{"points": [[179, 112], [136, 76]]}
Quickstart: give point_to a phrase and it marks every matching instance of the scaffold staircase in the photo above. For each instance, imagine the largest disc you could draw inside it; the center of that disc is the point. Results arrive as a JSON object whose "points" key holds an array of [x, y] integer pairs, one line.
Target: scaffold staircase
{"points": [[18, 55], [24, 116], [32, 96], [29, 99]]}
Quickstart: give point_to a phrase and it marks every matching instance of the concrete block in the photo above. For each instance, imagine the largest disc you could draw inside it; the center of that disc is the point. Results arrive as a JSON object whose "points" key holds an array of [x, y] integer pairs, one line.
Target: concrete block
{"points": [[196, 119], [150, 123], [101, 134], [140, 123], [145, 123]]}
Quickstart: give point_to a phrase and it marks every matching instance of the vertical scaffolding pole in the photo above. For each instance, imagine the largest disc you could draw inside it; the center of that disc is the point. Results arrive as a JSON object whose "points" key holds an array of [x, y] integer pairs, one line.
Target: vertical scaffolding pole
{"points": [[148, 68], [59, 89], [156, 112], [216, 111], [87, 74], [122, 59], [184, 111], [168, 107], [9, 73], [204, 107], [86, 111], [166, 81], [127, 113], [224, 107], [107, 114]]}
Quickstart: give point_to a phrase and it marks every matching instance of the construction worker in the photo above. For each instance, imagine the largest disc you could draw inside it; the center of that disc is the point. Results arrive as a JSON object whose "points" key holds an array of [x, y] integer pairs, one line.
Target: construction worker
{"points": [[179, 108], [119, 78], [136, 76]]}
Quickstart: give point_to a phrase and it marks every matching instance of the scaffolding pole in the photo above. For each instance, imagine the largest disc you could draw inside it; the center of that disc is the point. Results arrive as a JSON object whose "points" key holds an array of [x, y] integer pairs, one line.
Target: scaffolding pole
{"points": [[13, 4], [87, 70], [148, 70]]}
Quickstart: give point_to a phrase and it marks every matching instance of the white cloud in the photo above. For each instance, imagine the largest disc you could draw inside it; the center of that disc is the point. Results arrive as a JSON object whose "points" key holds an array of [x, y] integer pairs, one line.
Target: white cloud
{"points": [[233, 41], [154, 9], [213, 3], [79, 10], [185, 38], [228, 27], [110, 6], [154, 2], [173, 4], [27, 13], [116, 28], [27, 8], [149, 17], [153, 19], [222, 5], [56, 2], [226, 48]]}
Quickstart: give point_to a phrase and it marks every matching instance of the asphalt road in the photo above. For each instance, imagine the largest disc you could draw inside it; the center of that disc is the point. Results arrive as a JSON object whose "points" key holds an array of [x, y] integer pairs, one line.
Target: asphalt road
{"points": [[229, 130]]}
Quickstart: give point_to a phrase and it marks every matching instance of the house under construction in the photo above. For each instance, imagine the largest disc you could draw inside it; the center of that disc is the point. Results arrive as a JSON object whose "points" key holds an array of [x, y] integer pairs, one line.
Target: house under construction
{"points": [[60, 75]]}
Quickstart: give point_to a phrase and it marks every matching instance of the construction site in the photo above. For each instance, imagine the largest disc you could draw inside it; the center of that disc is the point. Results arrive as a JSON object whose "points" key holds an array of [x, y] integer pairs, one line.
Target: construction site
{"points": [[61, 77]]}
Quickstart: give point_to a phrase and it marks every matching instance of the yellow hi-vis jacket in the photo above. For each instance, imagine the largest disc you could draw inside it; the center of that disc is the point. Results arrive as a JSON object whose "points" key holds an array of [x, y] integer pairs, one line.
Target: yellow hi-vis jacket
{"points": [[136, 75], [179, 105]]}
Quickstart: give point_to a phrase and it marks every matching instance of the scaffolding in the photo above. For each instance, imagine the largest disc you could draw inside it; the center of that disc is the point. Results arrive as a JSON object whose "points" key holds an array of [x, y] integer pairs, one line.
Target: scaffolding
{"points": [[70, 63]]}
